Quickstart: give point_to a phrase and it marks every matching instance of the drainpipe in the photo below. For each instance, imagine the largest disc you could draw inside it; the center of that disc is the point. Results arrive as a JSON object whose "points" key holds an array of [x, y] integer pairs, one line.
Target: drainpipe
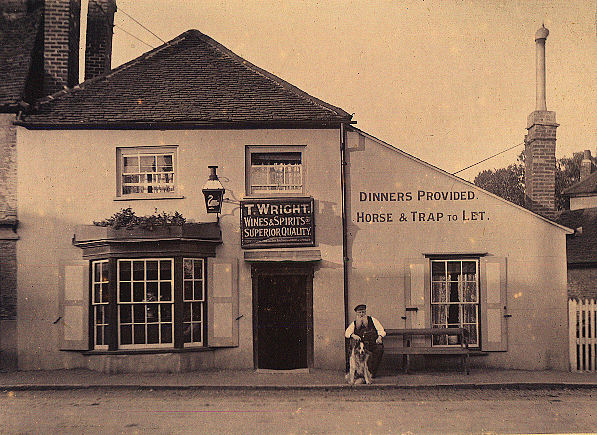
{"points": [[345, 258]]}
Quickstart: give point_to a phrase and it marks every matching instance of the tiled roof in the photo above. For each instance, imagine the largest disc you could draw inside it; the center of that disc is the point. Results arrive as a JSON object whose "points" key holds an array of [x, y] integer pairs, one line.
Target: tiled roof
{"points": [[192, 80], [581, 247], [583, 187], [17, 41]]}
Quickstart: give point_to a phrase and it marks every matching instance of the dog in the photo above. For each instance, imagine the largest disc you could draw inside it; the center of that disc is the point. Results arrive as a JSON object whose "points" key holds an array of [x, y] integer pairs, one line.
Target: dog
{"points": [[358, 367]]}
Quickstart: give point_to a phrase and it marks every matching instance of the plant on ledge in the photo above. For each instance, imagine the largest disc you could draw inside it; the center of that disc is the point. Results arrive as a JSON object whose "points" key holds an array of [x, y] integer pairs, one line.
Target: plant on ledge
{"points": [[126, 218]]}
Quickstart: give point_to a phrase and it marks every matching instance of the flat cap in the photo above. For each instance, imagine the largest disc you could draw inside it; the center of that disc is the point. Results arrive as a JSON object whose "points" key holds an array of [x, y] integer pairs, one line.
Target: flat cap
{"points": [[360, 307]]}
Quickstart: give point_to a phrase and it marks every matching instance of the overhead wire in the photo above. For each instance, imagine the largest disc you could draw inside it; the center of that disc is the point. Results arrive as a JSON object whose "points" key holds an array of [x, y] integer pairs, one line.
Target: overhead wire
{"points": [[490, 157], [140, 24], [130, 34]]}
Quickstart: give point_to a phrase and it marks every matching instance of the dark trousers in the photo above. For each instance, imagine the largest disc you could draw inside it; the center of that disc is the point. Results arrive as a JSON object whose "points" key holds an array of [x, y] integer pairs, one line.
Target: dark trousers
{"points": [[375, 359]]}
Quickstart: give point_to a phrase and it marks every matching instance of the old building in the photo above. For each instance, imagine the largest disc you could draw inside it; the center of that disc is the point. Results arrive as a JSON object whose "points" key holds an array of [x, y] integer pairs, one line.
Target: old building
{"points": [[581, 247], [317, 217], [39, 55]]}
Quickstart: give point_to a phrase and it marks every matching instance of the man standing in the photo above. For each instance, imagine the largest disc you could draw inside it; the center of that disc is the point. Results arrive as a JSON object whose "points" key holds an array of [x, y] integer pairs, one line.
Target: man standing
{"points": [[368, 329]]}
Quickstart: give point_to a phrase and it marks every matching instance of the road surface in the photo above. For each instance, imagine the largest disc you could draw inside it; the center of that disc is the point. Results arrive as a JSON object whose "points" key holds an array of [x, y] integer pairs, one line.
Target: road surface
{"points": [[360, 410]]}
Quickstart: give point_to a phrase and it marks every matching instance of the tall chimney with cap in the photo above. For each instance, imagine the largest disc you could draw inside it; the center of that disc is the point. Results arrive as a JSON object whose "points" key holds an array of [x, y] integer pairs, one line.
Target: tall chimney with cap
{"points": [[540, 143], [586, 165]]}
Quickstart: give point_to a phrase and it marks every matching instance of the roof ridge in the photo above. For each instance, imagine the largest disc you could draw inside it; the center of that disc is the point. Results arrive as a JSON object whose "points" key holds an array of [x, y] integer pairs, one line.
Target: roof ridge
{"points": [[108, 74], [269, 76]]}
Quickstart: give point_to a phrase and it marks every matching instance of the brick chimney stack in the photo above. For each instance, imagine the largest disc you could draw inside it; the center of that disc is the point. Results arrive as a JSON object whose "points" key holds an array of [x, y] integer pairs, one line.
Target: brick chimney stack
{"points": [[586, 165], [61, 44], [98, 50], [540, 143]]}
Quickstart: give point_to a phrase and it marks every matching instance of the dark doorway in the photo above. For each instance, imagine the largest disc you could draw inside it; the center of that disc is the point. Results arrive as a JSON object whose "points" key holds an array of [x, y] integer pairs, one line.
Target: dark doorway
{"points": [[282, 305]]}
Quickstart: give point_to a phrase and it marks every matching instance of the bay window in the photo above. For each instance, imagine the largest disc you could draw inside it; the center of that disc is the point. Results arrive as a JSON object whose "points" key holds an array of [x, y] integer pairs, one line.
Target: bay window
{"points": [[145, 307]]}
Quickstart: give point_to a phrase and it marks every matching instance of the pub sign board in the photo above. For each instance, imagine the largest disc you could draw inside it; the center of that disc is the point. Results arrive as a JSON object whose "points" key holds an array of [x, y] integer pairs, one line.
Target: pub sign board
{"points": [[277, 223]]}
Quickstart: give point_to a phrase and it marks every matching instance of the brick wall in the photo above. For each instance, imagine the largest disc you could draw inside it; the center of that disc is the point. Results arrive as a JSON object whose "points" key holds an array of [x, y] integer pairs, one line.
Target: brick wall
{"points": [[98, 50], [8, 212], [61, 44], [540, 163], [8, 171], [582, 283], [8, 280]]}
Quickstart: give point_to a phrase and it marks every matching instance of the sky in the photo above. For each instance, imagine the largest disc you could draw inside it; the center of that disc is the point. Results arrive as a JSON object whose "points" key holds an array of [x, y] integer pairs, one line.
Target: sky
{"points": [[450, 81]]}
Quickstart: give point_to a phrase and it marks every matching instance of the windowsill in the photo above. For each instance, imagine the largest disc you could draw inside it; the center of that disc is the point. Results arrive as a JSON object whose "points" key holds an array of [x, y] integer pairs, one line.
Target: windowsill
{"points": [[157, 350], [146, 197]]}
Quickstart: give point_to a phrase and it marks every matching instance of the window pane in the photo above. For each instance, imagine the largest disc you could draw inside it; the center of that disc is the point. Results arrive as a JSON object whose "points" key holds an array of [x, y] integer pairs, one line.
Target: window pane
{"points": [[165, 313], [165, 163], [152, 270], [469, 268], [97, 293], [125, 314], [99, 336], [165, 291], [139, 334], [438, 271], [125, 292], [198, 291], [99, 315], [153, 334], [126, 334], [97, 272], [472, 333], [188, 269], [130, 179], [125, 270], [131, 164], [438, 292], [166, 333], [138, 292], [454, 271], [198, 269], [453, 316], [469, 293], [139, 313], [188, 290], [152, 291], [196, 312], [187, 313], [275, 158], [469, 313], [165, 270], [439, 315], [453, 292], [138, 270], [148, 164], [152, 313]]}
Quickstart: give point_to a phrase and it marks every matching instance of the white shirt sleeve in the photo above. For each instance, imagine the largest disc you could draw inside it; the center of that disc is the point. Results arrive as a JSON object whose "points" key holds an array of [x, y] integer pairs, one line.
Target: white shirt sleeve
{"points": [[380, 330], [349, 330]]}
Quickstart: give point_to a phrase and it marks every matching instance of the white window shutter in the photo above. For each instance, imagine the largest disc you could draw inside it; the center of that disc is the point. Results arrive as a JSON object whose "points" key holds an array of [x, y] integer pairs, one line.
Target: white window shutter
{"points": [[416, 294], [222, 302], [74, 305], [493, 280]]}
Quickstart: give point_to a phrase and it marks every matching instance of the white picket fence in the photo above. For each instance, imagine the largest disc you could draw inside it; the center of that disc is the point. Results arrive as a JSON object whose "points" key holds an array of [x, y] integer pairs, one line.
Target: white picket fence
{"points": [[582, 329]]}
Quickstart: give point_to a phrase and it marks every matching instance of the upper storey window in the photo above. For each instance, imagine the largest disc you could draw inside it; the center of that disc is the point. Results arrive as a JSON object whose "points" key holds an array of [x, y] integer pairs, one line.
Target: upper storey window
{"points": [[147, 171], [275, 170]]}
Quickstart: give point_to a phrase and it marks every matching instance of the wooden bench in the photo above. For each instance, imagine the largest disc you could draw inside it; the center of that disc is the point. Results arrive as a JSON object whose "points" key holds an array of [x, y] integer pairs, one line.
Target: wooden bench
{"points": [[394, 346]]}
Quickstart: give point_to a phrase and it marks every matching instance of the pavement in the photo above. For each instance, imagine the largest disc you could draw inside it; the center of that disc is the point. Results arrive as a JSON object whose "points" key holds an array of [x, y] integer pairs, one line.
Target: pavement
{"points": [[313, 380]]}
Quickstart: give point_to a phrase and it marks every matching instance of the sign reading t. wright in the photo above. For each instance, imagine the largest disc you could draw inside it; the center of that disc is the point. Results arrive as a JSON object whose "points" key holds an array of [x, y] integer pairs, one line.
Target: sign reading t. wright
{"points": [[276, 223]]}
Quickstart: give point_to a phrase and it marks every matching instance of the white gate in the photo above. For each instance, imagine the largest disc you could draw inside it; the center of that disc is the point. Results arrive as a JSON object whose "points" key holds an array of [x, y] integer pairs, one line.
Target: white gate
{"points": [[582, 329]]}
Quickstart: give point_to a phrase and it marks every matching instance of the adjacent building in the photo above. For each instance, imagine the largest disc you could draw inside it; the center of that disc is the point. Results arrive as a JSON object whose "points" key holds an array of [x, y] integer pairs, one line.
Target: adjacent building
{"points": [[581, 247]]}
